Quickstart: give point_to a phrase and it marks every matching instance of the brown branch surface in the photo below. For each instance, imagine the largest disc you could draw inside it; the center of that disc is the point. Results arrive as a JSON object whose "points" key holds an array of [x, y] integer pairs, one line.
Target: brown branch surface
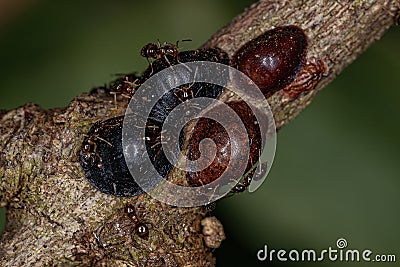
{"points": [[55, 217]]}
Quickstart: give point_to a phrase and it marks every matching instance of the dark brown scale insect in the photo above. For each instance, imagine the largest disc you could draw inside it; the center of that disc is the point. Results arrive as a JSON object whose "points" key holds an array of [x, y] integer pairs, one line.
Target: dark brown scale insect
{"points": [[273, 59]]}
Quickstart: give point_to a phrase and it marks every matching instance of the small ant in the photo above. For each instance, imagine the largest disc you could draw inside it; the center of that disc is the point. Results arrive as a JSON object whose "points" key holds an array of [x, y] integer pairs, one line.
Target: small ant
{"points": [[89, 148], [125, 86], [141, 228], [157, 51]]}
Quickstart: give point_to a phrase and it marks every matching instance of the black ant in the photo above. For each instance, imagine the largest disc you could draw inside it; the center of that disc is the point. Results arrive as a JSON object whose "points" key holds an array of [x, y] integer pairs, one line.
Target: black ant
{"points": [[124, 86], [89, 148], [157, 51], [141, 228]]}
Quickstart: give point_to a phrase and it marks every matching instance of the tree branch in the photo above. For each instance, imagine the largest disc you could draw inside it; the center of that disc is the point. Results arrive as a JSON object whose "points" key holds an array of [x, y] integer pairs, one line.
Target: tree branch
{"points": [[54, 216]]}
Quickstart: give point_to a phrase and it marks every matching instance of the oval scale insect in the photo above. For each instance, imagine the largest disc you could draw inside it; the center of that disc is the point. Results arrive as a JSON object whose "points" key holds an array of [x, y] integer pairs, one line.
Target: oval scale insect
{"points": [[227, 149], [273, 59], [102, 159], [277, 59]]}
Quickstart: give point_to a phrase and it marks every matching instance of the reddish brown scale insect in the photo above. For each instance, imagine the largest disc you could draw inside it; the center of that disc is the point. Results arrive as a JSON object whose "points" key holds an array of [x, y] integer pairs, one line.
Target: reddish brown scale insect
{"points": [[227, 149], [307, 78], [273, 59]]}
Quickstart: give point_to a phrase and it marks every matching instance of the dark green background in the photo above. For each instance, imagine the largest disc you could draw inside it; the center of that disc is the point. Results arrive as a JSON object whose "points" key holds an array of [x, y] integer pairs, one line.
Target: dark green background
{"points": [[336, 171]]}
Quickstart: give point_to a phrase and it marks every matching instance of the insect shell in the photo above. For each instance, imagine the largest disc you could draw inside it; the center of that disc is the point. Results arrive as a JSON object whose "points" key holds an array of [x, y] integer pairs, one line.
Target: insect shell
{"points": [[102, 159], [227, 149], [273, 59]]}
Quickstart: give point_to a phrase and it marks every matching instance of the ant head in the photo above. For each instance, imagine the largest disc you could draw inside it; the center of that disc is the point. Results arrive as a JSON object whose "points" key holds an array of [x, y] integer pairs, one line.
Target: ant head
{"points": [[149, 50]]}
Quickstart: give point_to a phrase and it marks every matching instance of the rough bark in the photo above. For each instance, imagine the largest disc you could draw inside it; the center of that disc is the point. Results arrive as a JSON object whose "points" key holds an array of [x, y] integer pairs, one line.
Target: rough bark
{"points": [[55, 217]]}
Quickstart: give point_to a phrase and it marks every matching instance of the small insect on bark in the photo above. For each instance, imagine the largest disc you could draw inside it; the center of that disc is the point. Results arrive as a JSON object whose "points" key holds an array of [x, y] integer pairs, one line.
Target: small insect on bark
{"points": [[228, 149], [158, 50], [275, 59], [141, 229], [102, 159], [124, 86]]}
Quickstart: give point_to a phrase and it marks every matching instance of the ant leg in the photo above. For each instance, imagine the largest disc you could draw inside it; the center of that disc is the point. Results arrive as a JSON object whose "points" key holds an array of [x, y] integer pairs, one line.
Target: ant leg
{"points": [[91, 142], [169, 63], [151, 65], [115, 99]]}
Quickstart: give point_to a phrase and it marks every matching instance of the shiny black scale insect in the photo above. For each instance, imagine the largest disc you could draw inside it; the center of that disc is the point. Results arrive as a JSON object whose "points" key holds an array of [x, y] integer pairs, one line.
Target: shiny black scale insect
{"points": [[103, 161], [102, 156]]}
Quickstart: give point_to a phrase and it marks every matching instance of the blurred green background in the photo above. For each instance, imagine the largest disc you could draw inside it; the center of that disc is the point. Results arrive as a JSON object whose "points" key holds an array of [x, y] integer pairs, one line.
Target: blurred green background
{"points": [[336, 171]]}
